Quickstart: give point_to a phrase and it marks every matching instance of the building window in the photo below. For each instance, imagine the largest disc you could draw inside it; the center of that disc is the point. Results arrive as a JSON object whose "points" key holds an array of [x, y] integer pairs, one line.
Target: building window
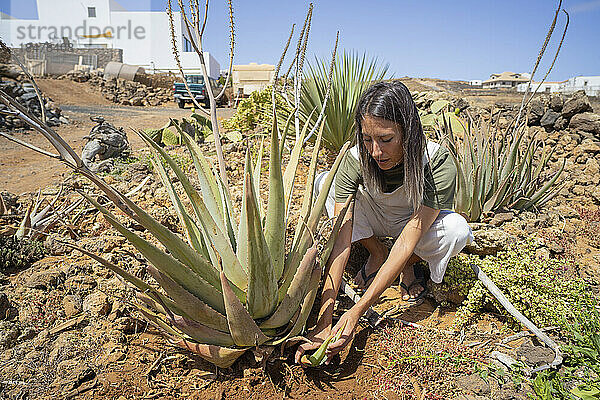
{"points": [[91, 12], [187, 45], [584, 83]]}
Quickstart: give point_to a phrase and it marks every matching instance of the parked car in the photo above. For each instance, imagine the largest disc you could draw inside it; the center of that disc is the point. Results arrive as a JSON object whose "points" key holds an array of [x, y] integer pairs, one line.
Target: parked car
{"points": [[198, 89]]}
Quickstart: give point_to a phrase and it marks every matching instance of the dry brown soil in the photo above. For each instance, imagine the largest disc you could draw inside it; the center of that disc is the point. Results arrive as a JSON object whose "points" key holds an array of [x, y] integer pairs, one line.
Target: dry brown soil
{"points": [[23, 170]]}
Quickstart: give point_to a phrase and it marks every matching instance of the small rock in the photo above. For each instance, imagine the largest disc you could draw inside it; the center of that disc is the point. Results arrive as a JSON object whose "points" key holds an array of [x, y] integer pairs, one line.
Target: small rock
{"points": [[97, 304], [549, 119], [5, 307], [72, 305], [501, 218], [535, 355], [561, 123], [473, 384], [489, 241], [566, 211], [556, 102], [9, 333], [578, 103], [46, 279], [536, 111], [556, 248], [587, 122], [587, 146]]}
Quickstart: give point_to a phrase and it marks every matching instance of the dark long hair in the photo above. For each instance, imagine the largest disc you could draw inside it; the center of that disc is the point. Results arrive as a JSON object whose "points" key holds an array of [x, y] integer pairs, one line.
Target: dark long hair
{"points": [[392, 101]]}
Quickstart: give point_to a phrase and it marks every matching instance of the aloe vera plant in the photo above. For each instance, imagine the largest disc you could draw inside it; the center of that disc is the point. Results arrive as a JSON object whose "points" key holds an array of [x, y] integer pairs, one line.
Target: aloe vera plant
{"points": [[226, 286], [498, 169]]}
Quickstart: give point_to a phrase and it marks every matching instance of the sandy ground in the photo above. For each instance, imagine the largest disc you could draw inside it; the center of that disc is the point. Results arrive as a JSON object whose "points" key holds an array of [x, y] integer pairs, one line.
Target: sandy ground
{"points": [[23, 170]]}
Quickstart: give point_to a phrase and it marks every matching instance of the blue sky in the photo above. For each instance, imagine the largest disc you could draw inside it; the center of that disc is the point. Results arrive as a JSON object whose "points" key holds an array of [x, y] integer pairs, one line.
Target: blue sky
{"points": [[437, 38]]}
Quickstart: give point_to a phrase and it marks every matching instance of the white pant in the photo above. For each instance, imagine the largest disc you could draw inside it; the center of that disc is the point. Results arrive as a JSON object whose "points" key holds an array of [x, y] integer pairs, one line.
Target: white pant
{"points": [[446, 237]]}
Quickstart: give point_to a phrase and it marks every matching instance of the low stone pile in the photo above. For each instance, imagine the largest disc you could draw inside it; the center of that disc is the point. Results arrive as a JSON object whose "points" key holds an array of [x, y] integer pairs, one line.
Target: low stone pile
{"points": [[557, 112], [24, 93], [122, 91]]}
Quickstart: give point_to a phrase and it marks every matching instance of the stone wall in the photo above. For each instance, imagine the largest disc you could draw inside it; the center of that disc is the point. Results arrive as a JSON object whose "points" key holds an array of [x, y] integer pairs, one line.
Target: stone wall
{"points": [[43, 51]]}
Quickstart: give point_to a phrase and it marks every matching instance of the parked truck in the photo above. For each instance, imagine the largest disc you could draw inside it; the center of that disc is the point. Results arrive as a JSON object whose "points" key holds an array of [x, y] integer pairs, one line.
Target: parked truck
{"points": [[197, 88]]}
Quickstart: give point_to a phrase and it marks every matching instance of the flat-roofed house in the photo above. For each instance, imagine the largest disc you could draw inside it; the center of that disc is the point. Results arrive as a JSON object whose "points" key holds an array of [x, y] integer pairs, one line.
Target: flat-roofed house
{"points": [[505, 80], [251, 77], [545, 87]]}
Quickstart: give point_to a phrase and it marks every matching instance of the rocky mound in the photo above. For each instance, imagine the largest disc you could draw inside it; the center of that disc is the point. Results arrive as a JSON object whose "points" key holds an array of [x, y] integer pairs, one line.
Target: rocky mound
{"points": [[24, 93], [122, 91]]}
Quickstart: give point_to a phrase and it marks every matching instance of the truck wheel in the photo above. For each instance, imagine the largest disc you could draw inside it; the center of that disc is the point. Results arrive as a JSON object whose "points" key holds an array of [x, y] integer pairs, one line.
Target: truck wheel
{"points": [[181, 104]]}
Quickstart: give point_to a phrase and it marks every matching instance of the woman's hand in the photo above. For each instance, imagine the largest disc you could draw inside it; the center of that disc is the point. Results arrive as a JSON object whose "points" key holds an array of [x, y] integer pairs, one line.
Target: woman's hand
{"points": [[347, 324], [317, 336]]}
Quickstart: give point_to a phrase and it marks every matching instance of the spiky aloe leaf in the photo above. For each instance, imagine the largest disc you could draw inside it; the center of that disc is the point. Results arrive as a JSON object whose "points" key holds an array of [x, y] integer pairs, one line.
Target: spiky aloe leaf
{"points": [[261, 297], [275, 217], [305, 309], [292, 166], [192, 232], [25, 224], [195, 308], [222, 357], [544, 189], [294, 258], [201, 333], [326, 252], [213, 233], [166, 263], [256, 178], [307, 200], [296, 292], [207, 180], [133, 280], [244, 331]]}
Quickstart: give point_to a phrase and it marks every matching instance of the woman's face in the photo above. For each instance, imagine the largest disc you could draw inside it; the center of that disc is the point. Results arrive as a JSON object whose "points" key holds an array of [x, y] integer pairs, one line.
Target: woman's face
{"points": [[383, 140]]}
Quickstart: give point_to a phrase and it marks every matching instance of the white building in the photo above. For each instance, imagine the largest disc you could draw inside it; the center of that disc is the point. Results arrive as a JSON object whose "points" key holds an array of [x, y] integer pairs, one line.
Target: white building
{"points": [[589, 84], [144, 36], [475, 82], [546, 87], [505, 80]]}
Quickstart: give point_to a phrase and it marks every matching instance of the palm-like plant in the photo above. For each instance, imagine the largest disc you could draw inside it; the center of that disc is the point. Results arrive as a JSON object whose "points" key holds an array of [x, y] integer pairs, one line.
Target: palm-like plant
{"points": [[352, 74]]}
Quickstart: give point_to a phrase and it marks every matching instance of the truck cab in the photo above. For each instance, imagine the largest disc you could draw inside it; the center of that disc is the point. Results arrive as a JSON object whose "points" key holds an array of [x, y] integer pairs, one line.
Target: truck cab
{"points": [[197, 88]]}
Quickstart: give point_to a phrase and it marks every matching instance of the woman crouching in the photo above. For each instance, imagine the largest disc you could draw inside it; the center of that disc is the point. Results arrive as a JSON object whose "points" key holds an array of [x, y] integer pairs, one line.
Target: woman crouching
{"points": [[404, 187]]}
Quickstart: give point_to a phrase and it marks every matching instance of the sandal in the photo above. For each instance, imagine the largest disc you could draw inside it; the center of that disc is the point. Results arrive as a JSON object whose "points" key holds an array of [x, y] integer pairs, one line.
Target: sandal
{"points": [[420, 280], [366, 279]]}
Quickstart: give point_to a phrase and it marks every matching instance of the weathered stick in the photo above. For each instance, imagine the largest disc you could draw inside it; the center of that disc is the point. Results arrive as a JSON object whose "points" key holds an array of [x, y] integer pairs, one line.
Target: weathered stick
{"points": [[491, 286]]}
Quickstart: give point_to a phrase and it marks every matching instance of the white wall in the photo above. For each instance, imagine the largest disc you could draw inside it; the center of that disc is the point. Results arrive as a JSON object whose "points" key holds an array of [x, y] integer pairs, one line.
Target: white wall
{"points": [[69, 18], [546, 87], [144, 36]]}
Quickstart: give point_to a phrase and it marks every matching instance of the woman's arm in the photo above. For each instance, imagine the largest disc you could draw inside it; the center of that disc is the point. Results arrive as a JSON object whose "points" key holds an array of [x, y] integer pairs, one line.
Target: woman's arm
{"points": [[333, 278], [400, 253]]}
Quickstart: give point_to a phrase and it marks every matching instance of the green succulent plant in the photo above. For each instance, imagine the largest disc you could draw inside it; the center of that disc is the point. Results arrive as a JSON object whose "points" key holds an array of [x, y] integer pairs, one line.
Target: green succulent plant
{"points": [[440, 114], [497, 169], [228, 286], [352, 74]]}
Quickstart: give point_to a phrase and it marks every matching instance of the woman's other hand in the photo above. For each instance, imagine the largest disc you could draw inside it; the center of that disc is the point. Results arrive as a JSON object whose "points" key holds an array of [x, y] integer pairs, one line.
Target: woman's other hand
{"points": [[347, 324]]}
